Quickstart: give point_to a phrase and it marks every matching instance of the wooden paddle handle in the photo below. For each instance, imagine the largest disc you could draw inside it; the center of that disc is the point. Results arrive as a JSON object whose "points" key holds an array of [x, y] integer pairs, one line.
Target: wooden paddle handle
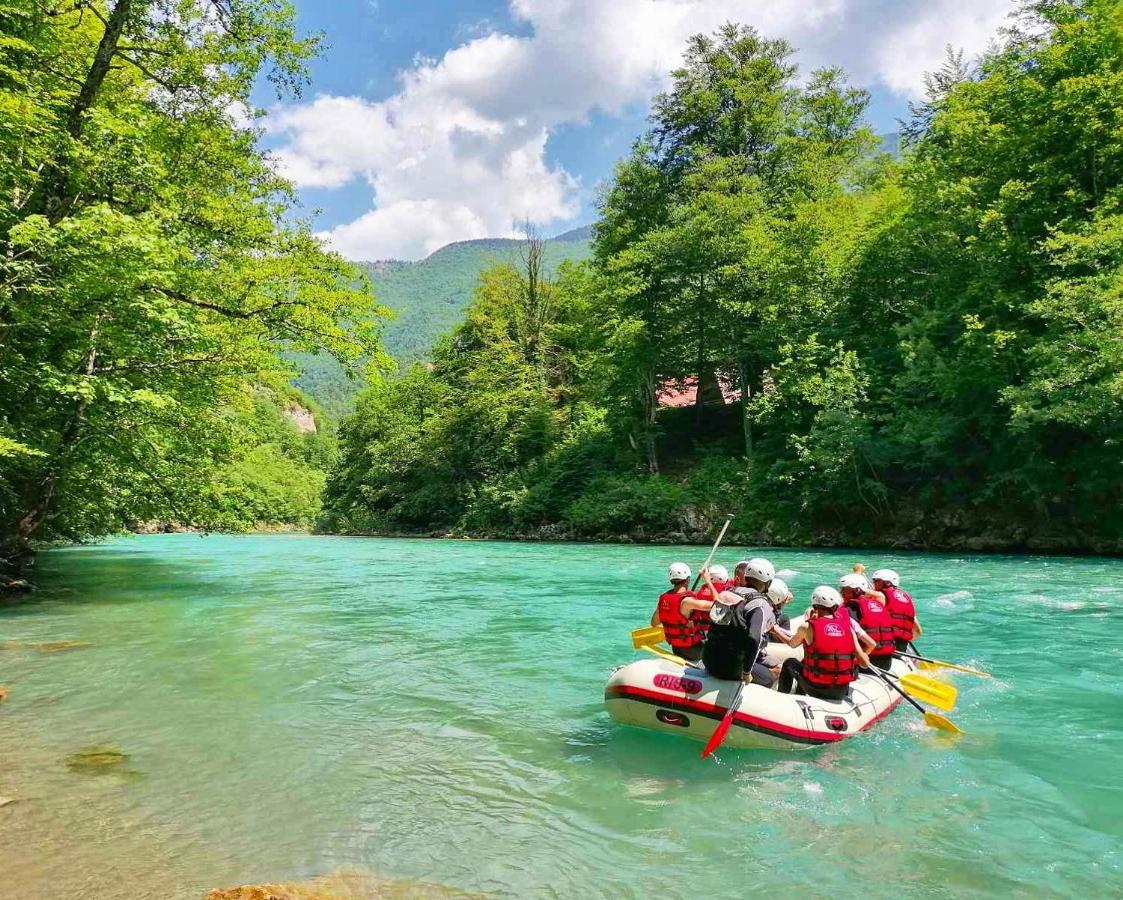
{"points": [[713, 550]]}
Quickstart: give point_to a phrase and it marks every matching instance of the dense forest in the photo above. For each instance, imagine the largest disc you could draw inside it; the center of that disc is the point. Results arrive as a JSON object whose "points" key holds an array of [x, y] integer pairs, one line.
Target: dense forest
{"points": [[920, 352], [152, 276], [916, 349]]}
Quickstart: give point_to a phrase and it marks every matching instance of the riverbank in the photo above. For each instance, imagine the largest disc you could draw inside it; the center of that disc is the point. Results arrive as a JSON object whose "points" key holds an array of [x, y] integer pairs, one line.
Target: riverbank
{"points": [[989, 542], [916, 540]]}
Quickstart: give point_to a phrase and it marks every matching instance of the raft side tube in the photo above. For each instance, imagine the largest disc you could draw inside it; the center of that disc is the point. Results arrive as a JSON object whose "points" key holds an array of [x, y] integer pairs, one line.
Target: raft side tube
{"points": [[661, 696]]}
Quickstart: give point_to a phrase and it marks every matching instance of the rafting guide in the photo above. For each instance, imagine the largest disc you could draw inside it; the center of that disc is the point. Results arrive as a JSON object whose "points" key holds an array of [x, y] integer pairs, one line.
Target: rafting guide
{"points": [[770, 681]]}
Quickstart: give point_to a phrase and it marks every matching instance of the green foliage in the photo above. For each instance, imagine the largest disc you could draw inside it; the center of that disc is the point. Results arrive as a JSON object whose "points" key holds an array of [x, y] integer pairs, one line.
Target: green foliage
{"points": [[147, 273], [428, 299], [927, 350], [276, 477]]}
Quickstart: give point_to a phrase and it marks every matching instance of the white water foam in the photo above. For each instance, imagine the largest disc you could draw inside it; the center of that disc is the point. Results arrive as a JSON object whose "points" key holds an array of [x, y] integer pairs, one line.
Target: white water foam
{"points": [[812, 787], [951, 601], [786, 574], [1056, 602]]}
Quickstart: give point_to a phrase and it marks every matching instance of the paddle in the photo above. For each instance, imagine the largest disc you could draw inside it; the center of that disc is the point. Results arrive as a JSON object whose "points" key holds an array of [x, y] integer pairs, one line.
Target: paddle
{"points": [[927, 689], [940, 664], [931, 719], [653, 634], [663, 654], [723, 727], [644, 637], [923, 666], [713, 550]]}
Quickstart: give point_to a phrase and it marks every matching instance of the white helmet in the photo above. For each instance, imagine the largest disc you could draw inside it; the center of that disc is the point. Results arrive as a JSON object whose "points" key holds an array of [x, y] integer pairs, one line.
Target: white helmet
{"points": [[855, 580], [826, 597], [718, 573], [678, 572], [778, 591], [887, 575], [760, 569]]}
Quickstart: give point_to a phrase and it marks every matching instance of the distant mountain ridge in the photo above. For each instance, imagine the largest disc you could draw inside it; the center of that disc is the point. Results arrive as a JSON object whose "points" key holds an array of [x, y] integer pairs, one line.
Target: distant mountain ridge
{"points": [[429, 297]]}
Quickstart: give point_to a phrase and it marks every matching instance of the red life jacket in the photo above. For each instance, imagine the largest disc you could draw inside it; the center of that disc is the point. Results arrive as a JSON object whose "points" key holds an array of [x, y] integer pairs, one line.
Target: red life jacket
{"points": [[903, 612], [702, 620], [877, 623], [680, 631], [703, 592], [830, 658]]}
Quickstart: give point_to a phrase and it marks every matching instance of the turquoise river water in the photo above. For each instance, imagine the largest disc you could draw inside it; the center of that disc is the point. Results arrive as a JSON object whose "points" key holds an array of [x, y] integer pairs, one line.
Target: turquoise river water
{"points": [[432, 710]]}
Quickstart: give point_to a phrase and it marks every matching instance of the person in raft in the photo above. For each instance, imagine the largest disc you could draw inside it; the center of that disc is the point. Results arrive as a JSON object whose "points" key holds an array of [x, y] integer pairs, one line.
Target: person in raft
{"points": [[901, 607], [740, 620], [719, 576], [831, 654], [779, 595], [680, 613], [867, 606]]}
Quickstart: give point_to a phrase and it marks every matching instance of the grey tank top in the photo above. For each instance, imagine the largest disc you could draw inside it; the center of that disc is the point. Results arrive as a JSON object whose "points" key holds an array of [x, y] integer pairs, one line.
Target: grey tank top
{"points": [[721, 614]]}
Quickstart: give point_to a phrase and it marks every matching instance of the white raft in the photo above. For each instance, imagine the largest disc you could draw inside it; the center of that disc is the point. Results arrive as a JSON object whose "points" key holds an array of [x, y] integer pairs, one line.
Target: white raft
{"points": [[665, 696]]}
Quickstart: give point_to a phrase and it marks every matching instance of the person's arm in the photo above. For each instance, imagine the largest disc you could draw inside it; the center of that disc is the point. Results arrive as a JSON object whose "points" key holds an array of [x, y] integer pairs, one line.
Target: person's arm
{"points": [[778, 633], [689, 604], [796, 639], [863, 659], [732, 598], [864, 639], [876, 595], [655, 620], [756, 637], [916, 632]]}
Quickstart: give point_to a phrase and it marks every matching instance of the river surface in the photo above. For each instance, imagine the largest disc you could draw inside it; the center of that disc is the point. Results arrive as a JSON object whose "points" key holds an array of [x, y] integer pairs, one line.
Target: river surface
{"points": [[432, 710]]}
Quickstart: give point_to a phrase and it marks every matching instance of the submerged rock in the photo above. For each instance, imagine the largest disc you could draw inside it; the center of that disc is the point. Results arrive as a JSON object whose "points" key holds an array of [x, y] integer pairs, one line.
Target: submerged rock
{"points": [[57, 646], [344, 885], [44, 646], [95, 759], [3, 692]]}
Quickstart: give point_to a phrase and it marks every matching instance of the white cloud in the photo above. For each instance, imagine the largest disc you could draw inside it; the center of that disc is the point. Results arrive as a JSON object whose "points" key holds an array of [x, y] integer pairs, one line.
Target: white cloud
{"points": [[460, 150]]}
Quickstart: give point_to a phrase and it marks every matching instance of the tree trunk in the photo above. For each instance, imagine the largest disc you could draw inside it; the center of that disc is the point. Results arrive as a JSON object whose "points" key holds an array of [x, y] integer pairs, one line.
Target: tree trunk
{"points": [[51, 193], [649, 402], [15, 550], [701, 365], [746, 396]]}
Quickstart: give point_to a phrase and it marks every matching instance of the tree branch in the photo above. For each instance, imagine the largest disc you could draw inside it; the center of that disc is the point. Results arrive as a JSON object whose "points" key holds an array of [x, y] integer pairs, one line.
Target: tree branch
{"points": [[170, 87], [156, 366]]}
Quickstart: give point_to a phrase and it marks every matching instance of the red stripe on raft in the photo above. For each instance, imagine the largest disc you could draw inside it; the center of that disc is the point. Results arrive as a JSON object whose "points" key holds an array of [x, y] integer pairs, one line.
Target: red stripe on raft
{"points": [[754, 723]]}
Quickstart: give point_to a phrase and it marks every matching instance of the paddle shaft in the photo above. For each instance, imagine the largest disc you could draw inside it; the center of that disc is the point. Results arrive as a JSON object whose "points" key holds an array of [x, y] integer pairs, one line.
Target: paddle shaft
{"points": [[723, 726], [713, 550], [880, 674], [939, 662]]}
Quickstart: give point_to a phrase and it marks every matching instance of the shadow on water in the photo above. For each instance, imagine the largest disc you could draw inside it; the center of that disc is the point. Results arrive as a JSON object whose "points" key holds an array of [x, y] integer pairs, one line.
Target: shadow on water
{"points": [[92, 574], [638, 753]]}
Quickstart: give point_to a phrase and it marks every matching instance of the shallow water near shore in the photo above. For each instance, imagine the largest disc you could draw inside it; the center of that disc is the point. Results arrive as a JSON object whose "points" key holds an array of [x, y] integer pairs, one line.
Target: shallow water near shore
{"points": [[292, 705]]}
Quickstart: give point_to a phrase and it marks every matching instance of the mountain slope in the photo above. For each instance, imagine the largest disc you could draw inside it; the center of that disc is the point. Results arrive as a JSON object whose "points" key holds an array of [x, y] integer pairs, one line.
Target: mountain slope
{"points": [[429, 297]]}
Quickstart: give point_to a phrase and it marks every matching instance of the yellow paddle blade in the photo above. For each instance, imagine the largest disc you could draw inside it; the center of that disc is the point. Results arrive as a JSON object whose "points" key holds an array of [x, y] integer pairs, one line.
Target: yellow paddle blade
{"points": [[663, 654], [926, 666], [935, 720], [928, 690], [642, 637]]}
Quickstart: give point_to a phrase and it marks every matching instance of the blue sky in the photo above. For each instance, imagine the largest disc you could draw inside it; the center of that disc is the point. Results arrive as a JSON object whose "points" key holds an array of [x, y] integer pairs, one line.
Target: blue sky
{"points": [[430, 121]]}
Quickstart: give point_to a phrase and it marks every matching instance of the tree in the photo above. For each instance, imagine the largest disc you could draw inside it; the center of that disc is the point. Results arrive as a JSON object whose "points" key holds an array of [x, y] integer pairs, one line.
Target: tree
{"points": [[146, 271]]}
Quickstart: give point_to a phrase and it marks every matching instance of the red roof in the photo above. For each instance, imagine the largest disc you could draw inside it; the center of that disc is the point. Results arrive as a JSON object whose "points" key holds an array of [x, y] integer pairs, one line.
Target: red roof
{"points": [[684, 392]]}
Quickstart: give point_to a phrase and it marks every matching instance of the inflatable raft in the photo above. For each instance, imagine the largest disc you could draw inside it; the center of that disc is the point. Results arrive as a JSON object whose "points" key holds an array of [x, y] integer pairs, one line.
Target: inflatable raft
{"points": [[664, 696]]}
